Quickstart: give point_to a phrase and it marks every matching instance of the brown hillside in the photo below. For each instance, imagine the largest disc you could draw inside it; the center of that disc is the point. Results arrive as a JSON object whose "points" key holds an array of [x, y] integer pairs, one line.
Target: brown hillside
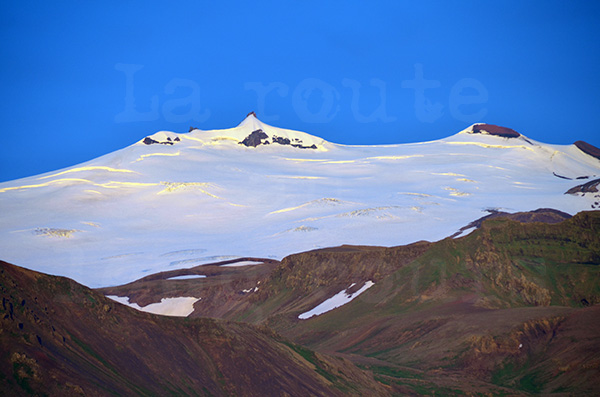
{"points": [[507, 310], [60, 338]]}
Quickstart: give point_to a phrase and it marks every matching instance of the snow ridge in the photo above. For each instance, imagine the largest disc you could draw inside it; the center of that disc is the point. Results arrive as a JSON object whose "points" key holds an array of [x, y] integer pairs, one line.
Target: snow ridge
{"points": [[156, 207]]}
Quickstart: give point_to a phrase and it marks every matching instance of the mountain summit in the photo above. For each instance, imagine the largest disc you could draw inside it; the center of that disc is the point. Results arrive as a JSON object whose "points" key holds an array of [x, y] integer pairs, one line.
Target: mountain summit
{"points": [[175, 200], [251, 132]]}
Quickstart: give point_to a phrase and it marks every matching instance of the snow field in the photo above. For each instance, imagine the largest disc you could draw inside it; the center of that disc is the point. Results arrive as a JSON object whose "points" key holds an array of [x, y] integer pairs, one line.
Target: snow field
{"points": [[150, 208]]}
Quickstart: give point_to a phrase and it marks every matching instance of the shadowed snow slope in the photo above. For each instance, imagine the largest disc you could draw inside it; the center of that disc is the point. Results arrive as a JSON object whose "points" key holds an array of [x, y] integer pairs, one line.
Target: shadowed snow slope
{"points": [[176, 199]]}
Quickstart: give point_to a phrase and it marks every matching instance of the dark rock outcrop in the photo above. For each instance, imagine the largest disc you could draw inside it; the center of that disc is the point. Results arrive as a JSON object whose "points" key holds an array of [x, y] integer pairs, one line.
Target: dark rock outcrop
{"points": [[255, 138], [149, 141], [589, 187], [562, 177], [297, 143], [495, 130], [299, 146], [588, 149], [259, 137], [281, 140]]}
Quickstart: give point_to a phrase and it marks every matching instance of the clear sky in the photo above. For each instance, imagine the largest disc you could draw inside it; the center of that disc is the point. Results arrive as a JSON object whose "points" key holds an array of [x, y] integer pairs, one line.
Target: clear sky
{"points": [[81, 79]]}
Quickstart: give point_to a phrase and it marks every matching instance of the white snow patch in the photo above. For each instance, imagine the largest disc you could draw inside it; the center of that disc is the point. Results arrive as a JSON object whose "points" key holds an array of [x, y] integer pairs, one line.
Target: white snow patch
{"points": [[187, 277], [181, 306], [339, 299], [466, 232], [242, 263]]}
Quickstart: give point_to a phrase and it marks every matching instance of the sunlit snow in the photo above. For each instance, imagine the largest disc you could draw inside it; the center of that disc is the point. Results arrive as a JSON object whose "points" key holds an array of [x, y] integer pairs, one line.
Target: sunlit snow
{"points": [[146, 208], [339, 299]]}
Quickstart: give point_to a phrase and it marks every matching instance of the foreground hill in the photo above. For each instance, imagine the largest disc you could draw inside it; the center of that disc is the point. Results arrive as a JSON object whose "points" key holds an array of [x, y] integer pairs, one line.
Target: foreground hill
{"points": [[511, 307], [177, 200], [62, 339]]}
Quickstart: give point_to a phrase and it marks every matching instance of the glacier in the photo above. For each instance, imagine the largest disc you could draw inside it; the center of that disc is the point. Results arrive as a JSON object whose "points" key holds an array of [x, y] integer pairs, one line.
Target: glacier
{"points": [[175, 200]]}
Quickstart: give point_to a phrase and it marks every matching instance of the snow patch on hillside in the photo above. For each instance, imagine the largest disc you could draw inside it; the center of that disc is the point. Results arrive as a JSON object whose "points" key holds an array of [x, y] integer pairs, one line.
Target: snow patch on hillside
{"points": [[176, 307], [242, 263], [339, 299], [187, 277]]}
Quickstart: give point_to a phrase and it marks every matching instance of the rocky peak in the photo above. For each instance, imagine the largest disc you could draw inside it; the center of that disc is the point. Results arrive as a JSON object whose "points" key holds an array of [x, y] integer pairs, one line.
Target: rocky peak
{"points": [[257, 137], [588, 149], [149, 141], [492, 129]]}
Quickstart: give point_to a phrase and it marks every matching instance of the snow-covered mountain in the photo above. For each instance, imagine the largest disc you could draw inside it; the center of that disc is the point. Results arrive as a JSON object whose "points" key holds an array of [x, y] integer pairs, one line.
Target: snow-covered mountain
{"points": [[179, 200]]}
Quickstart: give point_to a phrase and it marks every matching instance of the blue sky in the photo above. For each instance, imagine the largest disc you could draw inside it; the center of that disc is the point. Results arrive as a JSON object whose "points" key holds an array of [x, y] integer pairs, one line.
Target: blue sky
{"points": [[81, 79]]}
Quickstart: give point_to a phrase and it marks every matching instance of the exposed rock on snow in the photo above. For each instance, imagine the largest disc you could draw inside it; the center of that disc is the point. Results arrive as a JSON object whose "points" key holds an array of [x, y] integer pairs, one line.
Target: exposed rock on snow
{"points": [[589, 187], [256, 138], [588, 149], [150, 141], [562, 177], [161, 138], [259, 137], [495, 130], [281, 141]]}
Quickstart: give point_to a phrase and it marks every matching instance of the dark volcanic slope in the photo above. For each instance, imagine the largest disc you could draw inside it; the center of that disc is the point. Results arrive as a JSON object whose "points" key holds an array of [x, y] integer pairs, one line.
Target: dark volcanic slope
{"points": [[588, 149], [496, 130], [60, 338]]}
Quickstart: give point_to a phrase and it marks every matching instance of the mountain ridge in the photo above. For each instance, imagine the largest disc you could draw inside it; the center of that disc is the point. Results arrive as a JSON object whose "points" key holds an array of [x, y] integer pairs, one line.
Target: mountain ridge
{"points": [[251, 123], [203, 195], [510, 305], [61, 338]]}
